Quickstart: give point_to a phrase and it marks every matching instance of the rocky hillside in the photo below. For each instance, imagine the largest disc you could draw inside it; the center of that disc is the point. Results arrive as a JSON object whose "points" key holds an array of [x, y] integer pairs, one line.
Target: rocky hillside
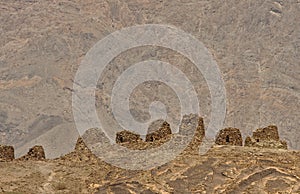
{"points": [[255, 44], [224, 169]]}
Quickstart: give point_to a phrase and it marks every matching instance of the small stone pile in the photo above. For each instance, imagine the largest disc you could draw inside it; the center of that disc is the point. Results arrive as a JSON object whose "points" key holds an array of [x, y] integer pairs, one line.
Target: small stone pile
{"points": [[266, 137], [6, 153], [229, 136]]}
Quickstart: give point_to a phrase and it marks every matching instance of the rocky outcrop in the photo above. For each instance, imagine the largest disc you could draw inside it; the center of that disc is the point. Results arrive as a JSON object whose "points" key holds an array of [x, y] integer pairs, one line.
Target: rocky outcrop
{"points": [[266, 137], [6, 153], [229, 136]]}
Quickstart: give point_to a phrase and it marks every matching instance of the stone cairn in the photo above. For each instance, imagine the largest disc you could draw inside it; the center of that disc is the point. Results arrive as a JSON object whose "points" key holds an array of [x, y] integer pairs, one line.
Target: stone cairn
{"points": [[35, 153], [194, 145], [7, 153], [266, 137], [127, 137], [81, 153], [155, 138], [163, 132], [229, 136]]}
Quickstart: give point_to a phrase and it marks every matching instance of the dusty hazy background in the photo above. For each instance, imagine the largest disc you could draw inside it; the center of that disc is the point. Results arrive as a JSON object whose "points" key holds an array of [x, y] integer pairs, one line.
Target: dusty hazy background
{"points": [[255, 43]]}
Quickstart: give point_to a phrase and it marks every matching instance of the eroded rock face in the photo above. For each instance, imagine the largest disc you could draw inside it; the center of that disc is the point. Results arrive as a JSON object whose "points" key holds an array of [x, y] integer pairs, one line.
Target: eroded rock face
{"points": [[229, 136], [266, 137], [35, 153], [6, 153]]}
